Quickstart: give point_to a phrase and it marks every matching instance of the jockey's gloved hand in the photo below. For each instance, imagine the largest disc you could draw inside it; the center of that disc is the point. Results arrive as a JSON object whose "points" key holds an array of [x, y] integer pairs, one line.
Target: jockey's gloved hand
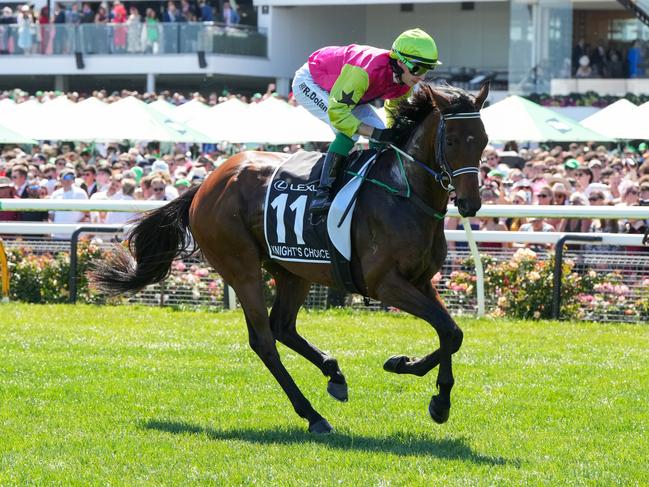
{"points": [[383, 136]]}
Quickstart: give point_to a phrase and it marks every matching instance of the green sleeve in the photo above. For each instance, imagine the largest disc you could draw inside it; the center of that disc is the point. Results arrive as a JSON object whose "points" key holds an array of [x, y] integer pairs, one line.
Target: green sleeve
{"points": [[345, 94], [391, 107]]}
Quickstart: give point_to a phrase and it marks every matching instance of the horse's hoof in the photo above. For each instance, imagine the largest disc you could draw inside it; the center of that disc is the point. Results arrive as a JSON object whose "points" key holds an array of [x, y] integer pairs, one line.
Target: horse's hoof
{"points": [[321, 427], [438, 410], [338, 391], [395, 364]]}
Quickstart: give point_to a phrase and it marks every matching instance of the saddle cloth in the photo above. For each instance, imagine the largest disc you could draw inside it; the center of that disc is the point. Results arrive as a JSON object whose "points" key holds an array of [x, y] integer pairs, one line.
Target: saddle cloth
{"points": [[289, 234]]}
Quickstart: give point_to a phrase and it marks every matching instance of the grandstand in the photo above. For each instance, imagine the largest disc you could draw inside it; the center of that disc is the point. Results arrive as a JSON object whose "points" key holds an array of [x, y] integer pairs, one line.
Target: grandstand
{"points": [[521, 48]]}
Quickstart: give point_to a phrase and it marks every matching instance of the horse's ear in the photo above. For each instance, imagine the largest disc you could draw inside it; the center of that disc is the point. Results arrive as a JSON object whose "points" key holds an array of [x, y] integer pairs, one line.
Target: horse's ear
{"points": [[482, 95], [442, 100]]}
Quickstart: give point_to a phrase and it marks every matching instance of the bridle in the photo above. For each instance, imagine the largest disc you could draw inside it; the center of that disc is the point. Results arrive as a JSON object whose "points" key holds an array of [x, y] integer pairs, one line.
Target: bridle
{"points": [[446, 174]]}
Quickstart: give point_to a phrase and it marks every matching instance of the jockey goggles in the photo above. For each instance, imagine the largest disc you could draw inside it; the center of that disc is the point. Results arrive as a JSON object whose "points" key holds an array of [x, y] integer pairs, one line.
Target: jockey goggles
{"points": [[416, 69]]}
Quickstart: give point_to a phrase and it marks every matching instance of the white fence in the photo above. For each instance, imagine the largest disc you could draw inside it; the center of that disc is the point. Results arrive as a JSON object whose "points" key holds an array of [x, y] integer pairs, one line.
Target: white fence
{"points": [[521, 211], [625, 240]]}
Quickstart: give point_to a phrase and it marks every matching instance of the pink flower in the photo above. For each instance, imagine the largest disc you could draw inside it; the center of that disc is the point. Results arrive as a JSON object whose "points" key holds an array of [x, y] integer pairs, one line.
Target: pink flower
{"points": [[202, 273]]}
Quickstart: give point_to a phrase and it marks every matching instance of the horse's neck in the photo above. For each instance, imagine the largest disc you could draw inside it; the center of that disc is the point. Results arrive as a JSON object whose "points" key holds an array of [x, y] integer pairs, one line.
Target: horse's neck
{"points": [[421, 146]]}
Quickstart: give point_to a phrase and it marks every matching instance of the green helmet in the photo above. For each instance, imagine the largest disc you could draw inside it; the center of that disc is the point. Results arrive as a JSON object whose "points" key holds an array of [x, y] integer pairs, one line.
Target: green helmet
{"points": [[415, 47]]}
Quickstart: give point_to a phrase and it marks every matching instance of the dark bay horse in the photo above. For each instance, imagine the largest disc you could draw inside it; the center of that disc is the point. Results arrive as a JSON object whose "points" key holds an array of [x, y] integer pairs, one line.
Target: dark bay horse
{"points": [[397, 245]]}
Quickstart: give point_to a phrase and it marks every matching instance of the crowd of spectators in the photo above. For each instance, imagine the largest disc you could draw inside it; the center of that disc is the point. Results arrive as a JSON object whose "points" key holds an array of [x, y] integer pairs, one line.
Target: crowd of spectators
{"points": [[578, 174], [67, 170], [175, 98], [115, 29], [607, 60], [588, 99]]}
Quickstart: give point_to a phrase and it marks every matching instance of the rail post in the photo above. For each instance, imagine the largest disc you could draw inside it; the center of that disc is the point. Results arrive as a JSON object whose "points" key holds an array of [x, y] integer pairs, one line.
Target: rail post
{"points": [[479, 270], [558, 268]]}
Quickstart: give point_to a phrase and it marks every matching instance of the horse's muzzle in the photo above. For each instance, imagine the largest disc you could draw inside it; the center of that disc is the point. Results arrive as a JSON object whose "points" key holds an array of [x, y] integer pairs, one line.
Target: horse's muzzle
{"points": [[467, 207]]}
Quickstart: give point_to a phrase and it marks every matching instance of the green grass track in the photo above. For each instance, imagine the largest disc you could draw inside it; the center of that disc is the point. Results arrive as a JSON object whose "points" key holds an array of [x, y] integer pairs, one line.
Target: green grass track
{"points": [[136, 395]]}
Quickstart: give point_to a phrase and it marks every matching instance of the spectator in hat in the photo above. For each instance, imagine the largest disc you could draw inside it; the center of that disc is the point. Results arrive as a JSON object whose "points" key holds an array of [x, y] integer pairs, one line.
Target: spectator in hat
{"points": [[33, 191], [197, 175], [182, 185], [159, 166], [570, 166], [525, 186], [514, 223], [68, 191], [206, 162], [595, 166], [25, 27], [560, 194], [158, 188], [7, 191]]}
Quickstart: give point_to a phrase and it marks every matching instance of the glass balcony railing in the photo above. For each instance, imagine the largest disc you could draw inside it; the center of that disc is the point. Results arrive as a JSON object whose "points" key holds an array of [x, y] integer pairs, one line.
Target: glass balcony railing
{"points": [[140, 38]]}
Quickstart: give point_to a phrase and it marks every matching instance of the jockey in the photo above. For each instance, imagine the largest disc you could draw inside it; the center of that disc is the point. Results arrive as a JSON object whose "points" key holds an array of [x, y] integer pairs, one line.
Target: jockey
{"points": [[338, 83]]}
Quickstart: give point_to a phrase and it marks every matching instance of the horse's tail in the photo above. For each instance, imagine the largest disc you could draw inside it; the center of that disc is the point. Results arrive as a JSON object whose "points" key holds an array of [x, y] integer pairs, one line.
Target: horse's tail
{"points": [[155, 241]]}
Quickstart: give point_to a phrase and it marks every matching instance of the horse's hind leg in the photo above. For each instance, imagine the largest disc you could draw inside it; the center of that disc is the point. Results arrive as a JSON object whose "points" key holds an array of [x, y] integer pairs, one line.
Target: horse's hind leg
{"points": [[397, 291], [243, 273], [291, 291]]}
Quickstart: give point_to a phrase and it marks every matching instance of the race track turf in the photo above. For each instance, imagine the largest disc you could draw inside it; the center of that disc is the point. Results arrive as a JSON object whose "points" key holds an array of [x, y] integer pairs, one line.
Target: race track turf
{"points": [[137, 395]]}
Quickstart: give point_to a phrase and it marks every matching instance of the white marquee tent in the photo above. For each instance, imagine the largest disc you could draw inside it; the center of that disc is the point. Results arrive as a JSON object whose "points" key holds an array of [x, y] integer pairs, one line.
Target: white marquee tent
{"points": [[163, 107], [620, 120], [516, 118], [188, 111], [132, 119], [271, 121]]}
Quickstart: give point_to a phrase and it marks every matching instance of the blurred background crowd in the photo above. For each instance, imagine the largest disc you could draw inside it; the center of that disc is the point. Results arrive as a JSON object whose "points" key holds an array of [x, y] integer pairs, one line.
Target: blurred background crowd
{"points": [[24, 30], [574, 174]]}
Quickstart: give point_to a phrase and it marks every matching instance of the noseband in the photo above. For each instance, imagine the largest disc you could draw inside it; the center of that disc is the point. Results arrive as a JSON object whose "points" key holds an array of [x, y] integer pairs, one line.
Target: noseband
{"points": [[446, 174]]}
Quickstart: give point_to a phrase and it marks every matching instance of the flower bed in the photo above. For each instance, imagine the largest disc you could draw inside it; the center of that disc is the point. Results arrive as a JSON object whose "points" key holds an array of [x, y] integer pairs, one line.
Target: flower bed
{"points": [[521, 287]]}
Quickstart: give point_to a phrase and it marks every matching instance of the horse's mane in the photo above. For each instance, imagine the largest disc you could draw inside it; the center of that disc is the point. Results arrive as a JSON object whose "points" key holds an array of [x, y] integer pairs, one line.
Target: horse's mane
{"points": [[414, 109]]}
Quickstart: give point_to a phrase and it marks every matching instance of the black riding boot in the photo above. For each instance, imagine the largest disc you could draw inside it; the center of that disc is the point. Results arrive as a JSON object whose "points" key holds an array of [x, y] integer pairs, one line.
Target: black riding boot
{"points": [[322, 199]]}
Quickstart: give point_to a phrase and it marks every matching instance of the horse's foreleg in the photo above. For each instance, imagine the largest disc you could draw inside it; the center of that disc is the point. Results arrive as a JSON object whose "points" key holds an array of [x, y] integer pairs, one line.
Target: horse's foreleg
{"points": [[399, 292], [402, 364], [291, 291]]}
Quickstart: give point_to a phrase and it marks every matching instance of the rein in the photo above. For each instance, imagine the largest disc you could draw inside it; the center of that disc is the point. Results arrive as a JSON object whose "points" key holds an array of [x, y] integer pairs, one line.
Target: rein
{"points": [[446, 175], [443, 177]]}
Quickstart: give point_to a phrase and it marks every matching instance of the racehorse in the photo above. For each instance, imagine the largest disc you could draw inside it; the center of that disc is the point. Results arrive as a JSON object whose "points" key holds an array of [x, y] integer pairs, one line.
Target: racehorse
{"points": [[398, 243]]}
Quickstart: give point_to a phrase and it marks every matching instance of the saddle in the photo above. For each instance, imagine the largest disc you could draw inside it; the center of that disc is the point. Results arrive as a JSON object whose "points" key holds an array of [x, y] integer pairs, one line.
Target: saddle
{"points": [[289, 233]]}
